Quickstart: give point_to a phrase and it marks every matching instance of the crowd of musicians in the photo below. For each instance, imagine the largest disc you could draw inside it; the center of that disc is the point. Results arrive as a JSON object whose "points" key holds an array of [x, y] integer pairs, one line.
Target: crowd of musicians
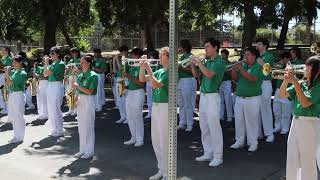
{"points": [[231, 92]]}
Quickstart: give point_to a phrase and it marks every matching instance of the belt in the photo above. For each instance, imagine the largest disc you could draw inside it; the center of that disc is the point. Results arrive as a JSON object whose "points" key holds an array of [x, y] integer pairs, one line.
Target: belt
{"points": [[307, 118]]}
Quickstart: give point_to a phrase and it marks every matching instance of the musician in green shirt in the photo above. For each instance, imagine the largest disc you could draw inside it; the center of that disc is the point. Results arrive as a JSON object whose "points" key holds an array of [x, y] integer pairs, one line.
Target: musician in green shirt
{"points": [[41, 91], [16, 80], [296, 56], [304, 136], [99, 66], [5, 61]]}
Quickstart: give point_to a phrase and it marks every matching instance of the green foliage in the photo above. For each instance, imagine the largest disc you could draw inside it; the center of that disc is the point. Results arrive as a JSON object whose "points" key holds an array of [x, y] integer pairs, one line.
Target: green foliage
{"points": [[83, 44]]}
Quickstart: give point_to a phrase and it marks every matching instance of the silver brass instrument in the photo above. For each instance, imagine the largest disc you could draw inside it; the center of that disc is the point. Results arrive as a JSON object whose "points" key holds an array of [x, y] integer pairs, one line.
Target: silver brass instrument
{"points": [[279, 73], [136, 62], [233, 64], [186, 62]]}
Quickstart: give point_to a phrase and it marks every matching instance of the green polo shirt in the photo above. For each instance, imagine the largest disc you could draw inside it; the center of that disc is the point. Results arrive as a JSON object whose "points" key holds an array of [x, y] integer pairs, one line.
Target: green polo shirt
{"points": [[227, 74], [246, 88], [19, 78], [75, 60], [89, 80], [297, 61], [7, 61], [100, 64], [134, 71], [160, 95], [313, 96], [40, 70], [57, 68], [267, 57], [182, 72], [211, 85]]}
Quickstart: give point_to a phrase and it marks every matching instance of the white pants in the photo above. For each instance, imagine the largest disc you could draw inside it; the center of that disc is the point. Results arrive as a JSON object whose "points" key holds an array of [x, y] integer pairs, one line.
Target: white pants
{"points": [[68, 88], [103, 79], [122, 103], [16, 109], [3, 105], [149, 97], [86, 119], [226, 99], [159, 135], [185, 101], [54, 102], [301, 150], [211, 132], [282, 112], [98, 97], [246, 114], [29, 97], [115, 90], [134, 105], [266, 118], [42, 98], [194, 95]]}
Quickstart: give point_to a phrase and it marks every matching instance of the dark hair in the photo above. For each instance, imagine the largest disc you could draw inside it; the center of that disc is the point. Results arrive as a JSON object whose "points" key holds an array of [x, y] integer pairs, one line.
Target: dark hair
{"points": [[137, 51], [67, 58], [185, 44], [18, 58], [314, 62], [23, 54], [285, 55], [214, 43], [57, 50], [253, 51], [88, 59], [97, 50], [123, 48], [76, 50], [264, 41], [224, 51], [8, 50], [297, 51]]}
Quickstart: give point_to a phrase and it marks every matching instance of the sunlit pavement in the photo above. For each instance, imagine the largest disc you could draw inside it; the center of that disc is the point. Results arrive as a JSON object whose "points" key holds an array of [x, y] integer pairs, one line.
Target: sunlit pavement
{"points": [[42, 157]]}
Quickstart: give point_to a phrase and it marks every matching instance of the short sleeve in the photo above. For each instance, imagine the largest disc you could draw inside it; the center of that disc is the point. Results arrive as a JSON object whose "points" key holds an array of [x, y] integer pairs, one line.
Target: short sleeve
{"points": [[292, 92], [93, 82], [314, 95]]}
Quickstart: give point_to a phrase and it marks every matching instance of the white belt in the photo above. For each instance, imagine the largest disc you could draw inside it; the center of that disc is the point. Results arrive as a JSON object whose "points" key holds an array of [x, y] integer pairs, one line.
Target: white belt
{"points": [[307, 118]]}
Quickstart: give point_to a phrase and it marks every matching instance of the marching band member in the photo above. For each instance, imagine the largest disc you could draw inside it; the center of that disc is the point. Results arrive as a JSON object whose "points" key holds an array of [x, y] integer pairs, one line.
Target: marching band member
{"points": [[303, 138], [295, 53], [209, 106], [26, 67], [282, 106], [225, 90], [159, 125], [41, 91], [186, 87], [16, 80], [86, 86], [100, 67], [121, 98], [265, 109], [6, 61], [134, 103], [75, 53], [247, 105], [55, 74]]}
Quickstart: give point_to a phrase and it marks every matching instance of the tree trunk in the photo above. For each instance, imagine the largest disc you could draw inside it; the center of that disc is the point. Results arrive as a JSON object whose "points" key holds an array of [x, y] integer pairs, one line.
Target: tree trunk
{"points": [[250, 24], [308, 34], [66, 35], [148, 27], [283, 33]]}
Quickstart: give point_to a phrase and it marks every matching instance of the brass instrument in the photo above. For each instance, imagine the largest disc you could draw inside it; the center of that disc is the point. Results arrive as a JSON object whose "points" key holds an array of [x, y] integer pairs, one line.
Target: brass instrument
{"points": [[33, 83], [315, 48], [233, 64], [71, 99], [186, 62], [279, 73], [136, 62], [5, 89]]}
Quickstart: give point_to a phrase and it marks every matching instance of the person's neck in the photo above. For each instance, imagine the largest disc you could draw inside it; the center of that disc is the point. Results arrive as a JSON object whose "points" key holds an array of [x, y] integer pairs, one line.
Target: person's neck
{"points": [[165, 66], [263, 51], [85, 70], [213, 56]]}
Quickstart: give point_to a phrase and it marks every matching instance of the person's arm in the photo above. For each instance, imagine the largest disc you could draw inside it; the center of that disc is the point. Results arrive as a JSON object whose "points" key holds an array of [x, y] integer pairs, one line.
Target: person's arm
{"points": [[8, 79], [302, 98], [47, 71], [134, 79], [154, 82], [283, 93], [205, 71], [194, 71], [234, 75], [142, 76]]}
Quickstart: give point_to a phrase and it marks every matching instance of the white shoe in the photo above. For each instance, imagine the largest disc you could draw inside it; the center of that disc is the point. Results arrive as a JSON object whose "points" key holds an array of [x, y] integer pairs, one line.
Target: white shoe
{"points": [[98, 110], [236, 145], [215, 162], [86, 156], [252, 148], [73, 113], [130, 142], [14, 141], [68, 113], [276, 130], [204, 158], [79, 154], [115, 107], [181, 127], [270, 139], [3, 111], [156, 176], [148, 116], [120, 121], [125, 122], [189, 129], [30, 107], [138, 144]]}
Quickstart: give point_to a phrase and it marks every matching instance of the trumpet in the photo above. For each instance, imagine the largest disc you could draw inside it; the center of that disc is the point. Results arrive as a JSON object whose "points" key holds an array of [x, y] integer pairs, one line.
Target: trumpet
{"points": [[315, 48], [186, 62], [136, 62], [279, 73], [233, 64]]}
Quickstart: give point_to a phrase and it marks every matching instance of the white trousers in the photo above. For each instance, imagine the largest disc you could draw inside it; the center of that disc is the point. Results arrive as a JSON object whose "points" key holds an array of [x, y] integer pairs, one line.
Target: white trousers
{"points": [[246, 114], [103, 79], [266, 118], [211, 132], [86, 119], [3, 105], [54, 102], [115, 90], [16, 109], [185, 101], [134, 105], [98, 97], [42, 98], [282, 112], [122, 103], [149, 97], [159, 135], [226, 99], [194, 93], [301, 150], [29, 97]]}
